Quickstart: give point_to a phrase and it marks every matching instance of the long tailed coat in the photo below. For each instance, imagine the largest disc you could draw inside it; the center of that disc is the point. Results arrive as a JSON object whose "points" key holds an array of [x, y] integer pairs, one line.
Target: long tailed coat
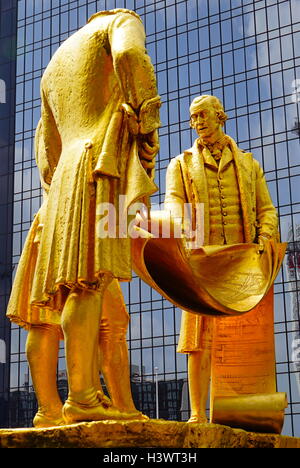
{"points": [[87, 155]]}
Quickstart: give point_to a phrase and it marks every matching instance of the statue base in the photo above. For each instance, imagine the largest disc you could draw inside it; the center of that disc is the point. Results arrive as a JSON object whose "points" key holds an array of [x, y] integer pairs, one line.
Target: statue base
{"points": [[142, 434]]}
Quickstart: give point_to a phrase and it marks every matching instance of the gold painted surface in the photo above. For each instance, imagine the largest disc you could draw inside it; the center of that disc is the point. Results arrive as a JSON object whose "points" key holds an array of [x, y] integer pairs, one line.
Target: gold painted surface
{"points": [[243, 356], [154, 434], [95, 145], [261, 413], [232, 340], [88, 154], [212, 280], [243, 389]]}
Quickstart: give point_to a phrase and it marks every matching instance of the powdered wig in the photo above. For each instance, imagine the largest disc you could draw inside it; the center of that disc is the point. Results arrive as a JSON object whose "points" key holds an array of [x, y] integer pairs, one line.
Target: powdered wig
{"points": [[218, 106]]}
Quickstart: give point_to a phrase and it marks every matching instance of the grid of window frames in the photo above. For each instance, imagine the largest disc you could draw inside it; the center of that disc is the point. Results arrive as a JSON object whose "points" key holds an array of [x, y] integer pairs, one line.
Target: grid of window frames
{"points": [[242, 51], [8, 26]]}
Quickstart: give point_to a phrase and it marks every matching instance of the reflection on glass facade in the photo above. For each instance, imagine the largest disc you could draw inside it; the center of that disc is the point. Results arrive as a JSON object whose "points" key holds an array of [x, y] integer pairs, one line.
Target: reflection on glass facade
{"points": [[242, 51], [8, 24]]}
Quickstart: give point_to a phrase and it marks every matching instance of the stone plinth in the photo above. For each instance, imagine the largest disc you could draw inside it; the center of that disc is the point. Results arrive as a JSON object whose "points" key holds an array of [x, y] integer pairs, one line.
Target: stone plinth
{"points": [[150, 434]]}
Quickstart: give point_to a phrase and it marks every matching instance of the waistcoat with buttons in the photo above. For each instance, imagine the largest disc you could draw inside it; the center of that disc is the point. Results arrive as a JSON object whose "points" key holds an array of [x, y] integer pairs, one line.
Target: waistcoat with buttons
{"points": [[225, 212]]}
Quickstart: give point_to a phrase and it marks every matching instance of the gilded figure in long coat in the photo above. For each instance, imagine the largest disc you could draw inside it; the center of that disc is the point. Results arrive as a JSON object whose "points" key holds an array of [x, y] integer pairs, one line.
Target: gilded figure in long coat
{"points": [[95, 144]]}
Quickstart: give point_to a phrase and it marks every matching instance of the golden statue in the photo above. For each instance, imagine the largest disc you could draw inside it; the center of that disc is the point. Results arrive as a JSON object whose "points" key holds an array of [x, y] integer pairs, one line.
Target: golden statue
{"points": [[223, 282], [95, 144], [232, 184], [237, 209]]}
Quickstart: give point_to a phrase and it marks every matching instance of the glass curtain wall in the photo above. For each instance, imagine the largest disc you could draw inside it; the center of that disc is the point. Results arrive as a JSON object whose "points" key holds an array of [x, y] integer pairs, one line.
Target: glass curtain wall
{"points": [[245, 53], [8, 30]]}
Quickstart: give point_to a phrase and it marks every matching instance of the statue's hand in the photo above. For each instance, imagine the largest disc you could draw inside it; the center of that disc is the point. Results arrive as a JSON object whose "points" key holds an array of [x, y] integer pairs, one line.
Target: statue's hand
{"points": [[148, 147], [262, 239]]}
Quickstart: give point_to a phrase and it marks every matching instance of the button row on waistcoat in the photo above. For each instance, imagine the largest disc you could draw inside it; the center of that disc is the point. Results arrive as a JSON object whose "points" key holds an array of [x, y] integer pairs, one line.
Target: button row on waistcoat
{"points": [[224, 213], [88, 144]]}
